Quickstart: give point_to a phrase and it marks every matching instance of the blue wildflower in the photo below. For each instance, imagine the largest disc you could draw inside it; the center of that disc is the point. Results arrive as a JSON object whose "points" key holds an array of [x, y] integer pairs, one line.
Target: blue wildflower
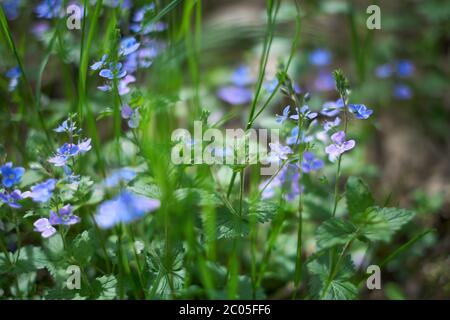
{"points": [[125, 207], [242, 76], [339, 146], [13, 75], [324, 81], [99, 64], [405, 68], [140, 13], [271, 85], [11, 8], [11, 175], [279, 152], [305, 112], [44, 227], [41, 192], [384, 71], [402, 92], [235, 95], [49, 9], [328, 125], [133, 116], [128, 45], [295, 139], [64, 216], [281, 119], [11, 198], [332, 108], [115, 71], [320, 57], [117, 177], [311, 163], [67, 126], [360, 111]]}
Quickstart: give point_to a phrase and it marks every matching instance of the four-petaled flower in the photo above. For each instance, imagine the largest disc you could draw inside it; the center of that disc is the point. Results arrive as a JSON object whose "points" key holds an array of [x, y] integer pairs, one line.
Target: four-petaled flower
{"points": [[41, 192], [332, 108], [11, 198], [64, 216], [115, 71], [281, 119], [339, 146], [311, 163], [99, 64], [279, 152], [305, 112], [125, 207], [128, 45], [360, 111], [11, 175], [44, 226]]}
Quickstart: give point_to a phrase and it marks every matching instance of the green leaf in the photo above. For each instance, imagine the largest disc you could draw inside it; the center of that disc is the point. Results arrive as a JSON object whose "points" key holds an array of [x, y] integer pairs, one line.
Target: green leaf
{"points": [[54, 247], [82, 248], [105, 288], [382, 223], [358, 196], [340, 287], [230, 225], [264, 211], [334, 232]]}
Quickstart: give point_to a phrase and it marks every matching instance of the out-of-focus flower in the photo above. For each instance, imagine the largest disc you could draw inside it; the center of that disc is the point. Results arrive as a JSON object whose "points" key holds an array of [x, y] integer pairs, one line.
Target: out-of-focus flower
{"points": [[67, 126], [11, 199], [41, 192], [235, 95], [328, 125], [295, 139], [384, 71], [305, 112], [271, 85], [11, 175], [281, 119], [405, 68], [49, 9], [64, 216], [69, 150], [140, 13], [402, 92], [39, 28], [11, 8], [117, 177], [311, 163], [360, 111], [13, 75], [339, 146], [126, 207], [132, 115], [44, 227], [128, 45], [324, 81], [242, 76], [320, 57], [279, 152], [99, 64]]}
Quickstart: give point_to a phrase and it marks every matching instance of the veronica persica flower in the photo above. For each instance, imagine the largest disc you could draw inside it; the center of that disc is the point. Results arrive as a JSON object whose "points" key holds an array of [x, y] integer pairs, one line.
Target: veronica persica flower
{"points": [[235, 95], [279, 151], [328, 125], [64, 216], [49, 9], [281, 119], [125, 207], [99, 64], [360, 111], [311, 163], [305, 112], [128, 45], [11, 175], [402, 92], [13, 75], [67, 126], [332, 108], [115, 71], [339, 146], [320, 57], [405, 68], [11, 199], [384, 71], [242, 76], [41, 192], [44, 227]]}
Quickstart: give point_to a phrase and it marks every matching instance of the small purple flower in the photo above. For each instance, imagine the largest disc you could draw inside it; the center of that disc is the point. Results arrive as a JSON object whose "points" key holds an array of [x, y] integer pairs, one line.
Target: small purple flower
{"points": [[119, 176], [133, 116], [402, 92], [235, 95], [11, 198], [140, 13], [340, 145], [123, 84], [324, 81], [13, 75], [49, 9], [115, 71], [384, 71], [43, 226], [84, 146], [279, 152], [242, 76], [99, 64], [360, 111], [128, 45], [281, 119], [125, 207], [305, 112], [64, 216], [405, 68], [328, 125], [332, 108], [271, 85], [11, 175], [295, 139], [320, 57], [311, 163], [67, 126], [11, 8], [41, 192]]}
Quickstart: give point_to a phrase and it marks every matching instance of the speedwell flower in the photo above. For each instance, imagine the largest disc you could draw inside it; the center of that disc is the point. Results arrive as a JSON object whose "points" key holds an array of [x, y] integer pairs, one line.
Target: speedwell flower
{"points": [[44, 226], [360, 111], [64, 216], [41, 192], [339, 146], [11, 175]]}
